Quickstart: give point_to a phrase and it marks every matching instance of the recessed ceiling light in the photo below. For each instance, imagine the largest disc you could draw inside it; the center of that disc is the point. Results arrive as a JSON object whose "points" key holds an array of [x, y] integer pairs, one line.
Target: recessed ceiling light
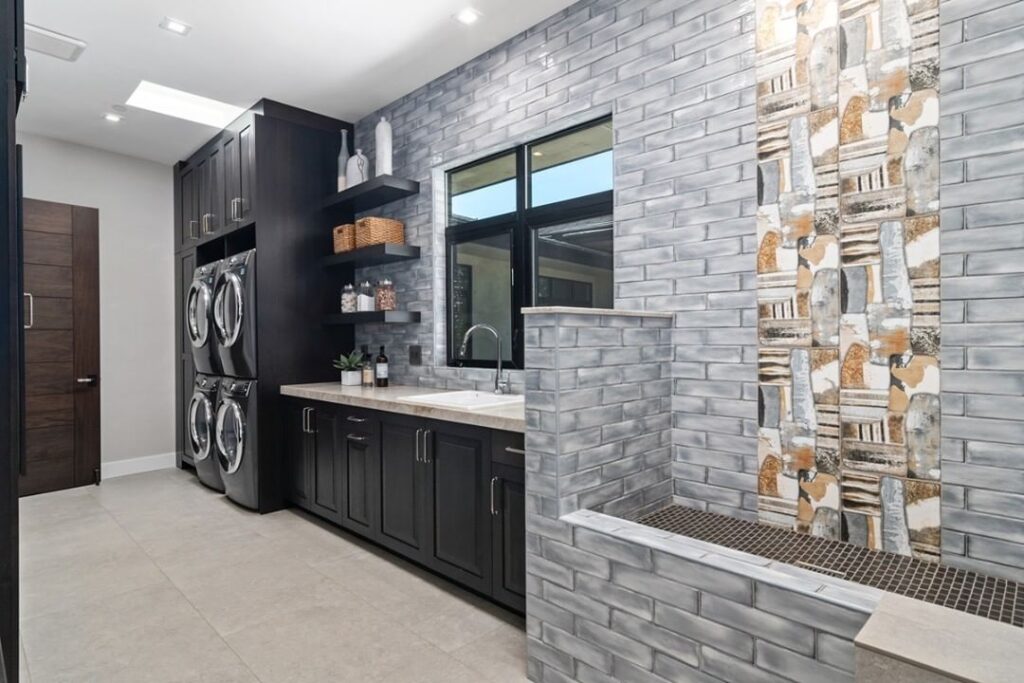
{"points": [[113, 118], [468, 16], [51, 43], [175, 26], [183, 105]]}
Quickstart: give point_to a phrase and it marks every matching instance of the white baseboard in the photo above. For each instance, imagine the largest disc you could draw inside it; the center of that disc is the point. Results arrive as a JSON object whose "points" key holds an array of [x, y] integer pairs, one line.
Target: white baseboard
{"points": [[147, 463]]}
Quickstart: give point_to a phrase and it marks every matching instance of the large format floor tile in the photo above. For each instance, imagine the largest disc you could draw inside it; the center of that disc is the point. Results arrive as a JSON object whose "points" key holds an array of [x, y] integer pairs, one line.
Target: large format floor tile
{"points": [[155, 578]]}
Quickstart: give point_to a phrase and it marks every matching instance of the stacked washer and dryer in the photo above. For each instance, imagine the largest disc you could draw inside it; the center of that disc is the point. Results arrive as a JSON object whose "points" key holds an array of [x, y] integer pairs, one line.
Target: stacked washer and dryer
{"points": [[220, 313]]}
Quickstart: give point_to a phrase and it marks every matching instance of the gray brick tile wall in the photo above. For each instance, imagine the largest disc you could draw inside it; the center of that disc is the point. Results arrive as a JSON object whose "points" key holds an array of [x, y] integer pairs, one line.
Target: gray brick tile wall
{"points": [[677, 75], [982, 43]]}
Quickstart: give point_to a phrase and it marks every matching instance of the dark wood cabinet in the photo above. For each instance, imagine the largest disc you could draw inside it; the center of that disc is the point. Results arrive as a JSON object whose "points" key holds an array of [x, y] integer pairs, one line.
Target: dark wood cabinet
{"points": [[188, 210], [507, 505], [186, 370], [457, 465], [232, 181], [246, 174], [359, 471], [326, 485], [448, 496], [297, 453], [403, 493]]}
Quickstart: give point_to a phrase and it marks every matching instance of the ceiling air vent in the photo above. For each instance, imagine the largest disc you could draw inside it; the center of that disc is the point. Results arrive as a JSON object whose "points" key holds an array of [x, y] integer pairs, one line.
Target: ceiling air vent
{"points": [[39, 39]]}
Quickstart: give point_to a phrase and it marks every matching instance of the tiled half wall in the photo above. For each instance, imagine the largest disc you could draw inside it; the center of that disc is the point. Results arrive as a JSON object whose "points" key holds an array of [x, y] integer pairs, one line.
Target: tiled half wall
{"points": [[848, 270]]}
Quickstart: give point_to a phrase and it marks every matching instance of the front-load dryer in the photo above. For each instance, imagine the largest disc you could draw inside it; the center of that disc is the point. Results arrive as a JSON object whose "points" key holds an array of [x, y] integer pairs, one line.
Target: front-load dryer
{"points": [[199, 319], [234, 315], [202, 411], [235, 435]]}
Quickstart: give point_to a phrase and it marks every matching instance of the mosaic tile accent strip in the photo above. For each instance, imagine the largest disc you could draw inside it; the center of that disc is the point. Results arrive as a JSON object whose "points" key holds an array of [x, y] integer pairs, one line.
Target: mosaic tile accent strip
{"points": [[847, 271], [985, 596]]}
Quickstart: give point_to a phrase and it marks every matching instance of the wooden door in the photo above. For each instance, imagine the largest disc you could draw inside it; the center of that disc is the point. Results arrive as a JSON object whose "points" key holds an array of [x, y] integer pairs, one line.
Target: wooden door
{"points": [[62, 354], [403, 519], [459, 465]]}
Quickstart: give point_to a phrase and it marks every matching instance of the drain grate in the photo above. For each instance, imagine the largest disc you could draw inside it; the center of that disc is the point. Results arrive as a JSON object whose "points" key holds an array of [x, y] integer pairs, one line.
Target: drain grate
{"points": [[985, 596]]}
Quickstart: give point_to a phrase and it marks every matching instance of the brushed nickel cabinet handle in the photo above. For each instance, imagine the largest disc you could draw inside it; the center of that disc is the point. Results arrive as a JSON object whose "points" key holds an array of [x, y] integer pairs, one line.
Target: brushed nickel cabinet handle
{"points": [[357, 420], [514, 451], [357, 439], [426, 446], [419, 433], [494, 510], [193, 230], [31, 311]]}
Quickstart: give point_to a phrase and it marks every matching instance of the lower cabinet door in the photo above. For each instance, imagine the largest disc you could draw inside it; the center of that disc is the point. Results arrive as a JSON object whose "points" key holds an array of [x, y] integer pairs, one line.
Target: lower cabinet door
{"points": [[458, 461], [508, 528], [327, 440], [403, 524], [359, 470], [297, 456]]}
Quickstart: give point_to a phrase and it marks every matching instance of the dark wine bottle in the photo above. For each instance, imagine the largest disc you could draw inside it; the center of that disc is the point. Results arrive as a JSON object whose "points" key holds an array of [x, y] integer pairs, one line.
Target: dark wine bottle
{"points": [[382, 369]]}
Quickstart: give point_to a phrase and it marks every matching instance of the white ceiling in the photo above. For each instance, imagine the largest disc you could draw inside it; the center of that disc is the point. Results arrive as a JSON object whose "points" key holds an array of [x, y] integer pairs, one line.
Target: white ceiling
{"points": [[344, 58]]}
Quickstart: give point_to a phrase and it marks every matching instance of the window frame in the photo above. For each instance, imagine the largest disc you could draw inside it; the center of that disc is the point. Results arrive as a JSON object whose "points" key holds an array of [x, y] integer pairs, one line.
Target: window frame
{"points": [[522, 224]]}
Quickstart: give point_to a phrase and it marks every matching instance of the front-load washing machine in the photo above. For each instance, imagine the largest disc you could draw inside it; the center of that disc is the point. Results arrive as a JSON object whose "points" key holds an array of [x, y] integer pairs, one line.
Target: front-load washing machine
{"points": [[234, 315], [202, 410], [199, 319], [235, 435]]}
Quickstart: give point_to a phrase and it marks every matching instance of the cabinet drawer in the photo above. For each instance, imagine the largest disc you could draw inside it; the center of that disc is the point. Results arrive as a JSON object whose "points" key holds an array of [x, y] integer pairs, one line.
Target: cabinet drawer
{"points": [[507, 448]]}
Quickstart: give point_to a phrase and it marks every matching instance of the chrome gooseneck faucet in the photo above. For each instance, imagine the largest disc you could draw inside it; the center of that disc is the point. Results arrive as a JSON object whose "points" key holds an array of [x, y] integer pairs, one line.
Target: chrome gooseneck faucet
{"points": [[499, 386]]}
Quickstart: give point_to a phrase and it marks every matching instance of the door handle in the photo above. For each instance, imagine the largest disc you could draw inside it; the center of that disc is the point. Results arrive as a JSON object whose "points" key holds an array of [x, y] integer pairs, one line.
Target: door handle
{"points": [[426, 449], [494, 510], [90, 380], [31, 311], [357, 439], [419, 433]]}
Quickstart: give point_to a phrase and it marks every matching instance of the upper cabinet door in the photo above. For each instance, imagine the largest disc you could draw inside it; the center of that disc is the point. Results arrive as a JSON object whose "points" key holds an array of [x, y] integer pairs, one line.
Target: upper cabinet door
{"points": [[215, 180], [188, 212], [232, 182], [246, 174]]}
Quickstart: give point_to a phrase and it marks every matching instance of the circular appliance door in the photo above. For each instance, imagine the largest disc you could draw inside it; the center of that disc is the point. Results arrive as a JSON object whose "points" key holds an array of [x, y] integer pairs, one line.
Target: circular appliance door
{"points": [[230, 435], [198, 313], [227, 309], [200, 426]]}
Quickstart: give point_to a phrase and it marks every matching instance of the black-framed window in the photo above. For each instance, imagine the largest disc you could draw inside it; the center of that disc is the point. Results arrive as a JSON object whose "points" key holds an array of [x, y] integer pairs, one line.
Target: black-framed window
{"points": [[531, 226]]}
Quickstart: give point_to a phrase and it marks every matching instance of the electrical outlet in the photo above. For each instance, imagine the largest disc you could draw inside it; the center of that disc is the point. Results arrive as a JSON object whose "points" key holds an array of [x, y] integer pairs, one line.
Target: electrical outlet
{"points": [[415, 355]]}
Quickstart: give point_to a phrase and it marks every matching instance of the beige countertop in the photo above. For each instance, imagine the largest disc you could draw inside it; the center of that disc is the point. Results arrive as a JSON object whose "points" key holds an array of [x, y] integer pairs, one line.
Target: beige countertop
{"points": [[956, 645], [507, 418]]}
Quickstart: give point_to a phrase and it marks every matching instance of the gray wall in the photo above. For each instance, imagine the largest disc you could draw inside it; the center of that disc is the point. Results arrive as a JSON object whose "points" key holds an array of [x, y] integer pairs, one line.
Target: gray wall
{"points": [[135, 199], [983, 284], [677, 75]]}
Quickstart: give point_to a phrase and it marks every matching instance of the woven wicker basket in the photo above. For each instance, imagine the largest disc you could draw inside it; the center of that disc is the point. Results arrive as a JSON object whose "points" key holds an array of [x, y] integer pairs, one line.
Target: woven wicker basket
{"points": [[373, 230], [344, 238]]}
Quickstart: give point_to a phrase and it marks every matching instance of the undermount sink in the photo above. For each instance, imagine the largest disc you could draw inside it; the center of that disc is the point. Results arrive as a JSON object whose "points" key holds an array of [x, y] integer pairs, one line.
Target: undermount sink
{"points": [[465, 400]]}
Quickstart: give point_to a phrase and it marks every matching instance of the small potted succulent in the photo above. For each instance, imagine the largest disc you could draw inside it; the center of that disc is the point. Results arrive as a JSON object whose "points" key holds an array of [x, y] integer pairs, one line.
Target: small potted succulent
{"points": [[351, 368]]}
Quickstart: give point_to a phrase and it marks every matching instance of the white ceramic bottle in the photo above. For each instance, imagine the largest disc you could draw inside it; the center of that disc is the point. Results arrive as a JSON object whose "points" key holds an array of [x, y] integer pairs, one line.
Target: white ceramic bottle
{"points": [[384, 163], [343, 158], [358, 170]]}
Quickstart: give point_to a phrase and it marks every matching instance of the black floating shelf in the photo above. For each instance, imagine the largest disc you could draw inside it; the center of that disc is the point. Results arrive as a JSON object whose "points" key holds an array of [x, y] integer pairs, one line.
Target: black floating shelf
{"points": [[374, 255], [372, 317], [372, 193]]}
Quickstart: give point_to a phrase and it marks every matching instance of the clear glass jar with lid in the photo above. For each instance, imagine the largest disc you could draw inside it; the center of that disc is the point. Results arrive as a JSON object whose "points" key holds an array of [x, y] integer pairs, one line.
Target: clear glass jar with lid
{"points": [[385, 295], [348, 299], [365, 299]]}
